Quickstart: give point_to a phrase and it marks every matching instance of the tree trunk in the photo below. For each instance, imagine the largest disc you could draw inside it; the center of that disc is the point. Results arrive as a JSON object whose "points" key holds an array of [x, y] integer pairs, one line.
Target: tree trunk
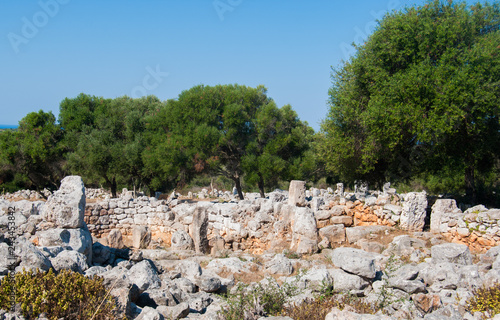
{"points": [[238, 187], [113, 188], [261, 187], [470, 184]]}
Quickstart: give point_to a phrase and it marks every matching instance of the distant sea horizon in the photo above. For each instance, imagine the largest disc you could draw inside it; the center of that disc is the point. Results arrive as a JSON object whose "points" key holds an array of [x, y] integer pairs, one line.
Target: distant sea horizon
{"points": [[8, 126]]}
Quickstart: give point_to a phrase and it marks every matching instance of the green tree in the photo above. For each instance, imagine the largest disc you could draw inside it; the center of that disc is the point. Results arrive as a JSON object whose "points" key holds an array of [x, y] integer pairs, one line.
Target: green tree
{"points": [[275, 151], [107, 138], [230, 130], [32, 156], [421, 95]]}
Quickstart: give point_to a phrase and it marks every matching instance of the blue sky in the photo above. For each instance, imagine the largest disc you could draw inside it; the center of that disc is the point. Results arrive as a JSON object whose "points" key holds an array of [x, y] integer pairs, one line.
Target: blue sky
{"points": [[52, 49]]}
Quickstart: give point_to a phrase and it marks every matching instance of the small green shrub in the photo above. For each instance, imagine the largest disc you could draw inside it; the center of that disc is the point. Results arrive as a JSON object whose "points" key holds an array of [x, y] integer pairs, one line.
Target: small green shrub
{"points": [[67, 295], [252, 301], [485, 300]]}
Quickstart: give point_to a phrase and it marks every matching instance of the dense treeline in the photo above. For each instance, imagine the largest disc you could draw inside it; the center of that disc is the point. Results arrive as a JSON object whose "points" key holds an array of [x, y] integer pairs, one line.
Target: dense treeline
{"points": [[417, 105], [230, 130], [420, 101]]}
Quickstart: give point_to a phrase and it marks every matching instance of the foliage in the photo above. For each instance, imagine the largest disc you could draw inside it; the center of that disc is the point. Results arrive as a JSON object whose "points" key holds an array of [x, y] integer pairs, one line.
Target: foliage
{"points": [[319, 307], [485, 299], [421, 94], [252, 301], [230, 130], [67, 295], [31, 156], [107, 138]]}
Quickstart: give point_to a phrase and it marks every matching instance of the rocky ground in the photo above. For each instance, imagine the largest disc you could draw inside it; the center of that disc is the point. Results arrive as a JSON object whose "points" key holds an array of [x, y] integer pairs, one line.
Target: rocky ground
{"points": [[407, 275]]}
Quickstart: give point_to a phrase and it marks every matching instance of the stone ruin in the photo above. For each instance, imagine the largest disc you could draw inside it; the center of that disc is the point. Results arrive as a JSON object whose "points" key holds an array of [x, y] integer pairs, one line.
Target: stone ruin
{"points": [[154, 249]]}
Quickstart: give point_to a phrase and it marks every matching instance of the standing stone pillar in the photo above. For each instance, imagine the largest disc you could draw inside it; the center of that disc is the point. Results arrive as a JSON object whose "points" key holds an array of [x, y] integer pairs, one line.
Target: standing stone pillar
{"points": [[297, 193], [414, 211], [200, 229]]}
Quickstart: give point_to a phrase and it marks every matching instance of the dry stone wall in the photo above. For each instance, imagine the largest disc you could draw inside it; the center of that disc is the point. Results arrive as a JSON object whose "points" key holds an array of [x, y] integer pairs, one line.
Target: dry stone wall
{"points": [[324, 219]]}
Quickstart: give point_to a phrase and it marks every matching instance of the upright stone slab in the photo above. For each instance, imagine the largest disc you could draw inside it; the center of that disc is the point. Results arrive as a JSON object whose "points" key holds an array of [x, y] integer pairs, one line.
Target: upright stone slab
{"points": [[304, 231], [200, 229], [442, 211], [115, 239], [141, 236], [414, 211], [297, 193], [66, 207]]}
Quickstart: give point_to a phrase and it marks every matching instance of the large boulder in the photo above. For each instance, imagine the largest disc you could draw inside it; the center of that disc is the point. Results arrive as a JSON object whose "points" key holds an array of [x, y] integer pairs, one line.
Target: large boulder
{"points": [[304, 231], [297, 193], [442, 211], [70, 260], [355, 261], [31, 256], [451, 252], [66, 207], [414, 211], [347, 282], [144, 275], [77, 239]]}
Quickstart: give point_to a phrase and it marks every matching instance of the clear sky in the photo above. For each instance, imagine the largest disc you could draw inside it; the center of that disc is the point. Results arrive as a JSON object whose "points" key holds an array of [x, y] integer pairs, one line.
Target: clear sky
{"points": [[52, 49]]}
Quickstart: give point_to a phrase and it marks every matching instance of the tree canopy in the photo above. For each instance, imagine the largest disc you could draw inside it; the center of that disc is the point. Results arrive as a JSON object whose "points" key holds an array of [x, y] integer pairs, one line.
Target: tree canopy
{"points": [[421, 95]]}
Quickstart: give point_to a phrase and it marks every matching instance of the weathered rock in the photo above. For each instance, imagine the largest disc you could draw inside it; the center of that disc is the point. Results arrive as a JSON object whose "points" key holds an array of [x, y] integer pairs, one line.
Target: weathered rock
{"points": [[414, 211], [200, 229], [442, 211], [149, 313], [77, 239], [334, 233], [304, 231], [66, 207], [313, 279], [189, 269], [176, 312], [70, 260], [101, 254], [182, 241], [199, 301], [156, 297], [208, 284], [141, 237], [115, 239], [404, 245], [279, 265], [347, 282], [144, 275], [355, 261], [447, 312], [451, 252], [297, 193], [31, 256], [354, 234], [185, 285], [427, 302]]}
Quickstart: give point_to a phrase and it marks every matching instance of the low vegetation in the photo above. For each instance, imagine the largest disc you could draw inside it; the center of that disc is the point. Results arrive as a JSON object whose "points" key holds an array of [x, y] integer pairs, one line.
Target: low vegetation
{"points": [[486, 300], [67, 295]]}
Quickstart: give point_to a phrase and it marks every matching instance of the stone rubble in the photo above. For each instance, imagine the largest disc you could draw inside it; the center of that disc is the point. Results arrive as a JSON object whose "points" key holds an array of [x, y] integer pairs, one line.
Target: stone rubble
{"points": [[171, 258]]}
